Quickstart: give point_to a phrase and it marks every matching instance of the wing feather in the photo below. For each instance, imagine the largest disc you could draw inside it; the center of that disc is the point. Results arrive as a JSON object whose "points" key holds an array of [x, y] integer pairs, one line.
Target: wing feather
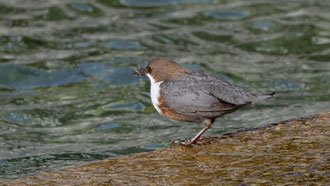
{"points": [[188, 97]]}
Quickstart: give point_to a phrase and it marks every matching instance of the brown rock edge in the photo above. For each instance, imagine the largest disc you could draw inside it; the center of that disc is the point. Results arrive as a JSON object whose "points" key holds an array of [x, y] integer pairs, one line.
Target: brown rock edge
{"points": [[290, 152]]}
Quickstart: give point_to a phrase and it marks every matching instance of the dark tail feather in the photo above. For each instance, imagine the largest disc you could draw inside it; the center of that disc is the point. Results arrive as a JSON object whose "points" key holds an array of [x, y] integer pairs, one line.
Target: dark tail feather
{"points": [[261, 97], [269, 94]]}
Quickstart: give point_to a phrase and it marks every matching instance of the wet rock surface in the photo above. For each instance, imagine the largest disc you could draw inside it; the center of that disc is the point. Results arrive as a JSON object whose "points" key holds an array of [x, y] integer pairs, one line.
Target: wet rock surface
{"points": [[291, 152]]}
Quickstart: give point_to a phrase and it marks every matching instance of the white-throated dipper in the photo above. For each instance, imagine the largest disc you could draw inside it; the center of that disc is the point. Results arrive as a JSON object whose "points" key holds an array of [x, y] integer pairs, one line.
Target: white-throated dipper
{"points": [[185, 95]]}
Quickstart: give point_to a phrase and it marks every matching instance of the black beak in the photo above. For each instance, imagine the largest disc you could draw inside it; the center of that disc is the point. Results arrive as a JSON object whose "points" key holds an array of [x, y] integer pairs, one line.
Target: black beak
{"points": [[139, 72]]}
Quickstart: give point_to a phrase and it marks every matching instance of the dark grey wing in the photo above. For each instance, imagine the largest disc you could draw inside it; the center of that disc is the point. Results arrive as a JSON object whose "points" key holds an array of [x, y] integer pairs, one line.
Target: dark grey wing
{"points": [[187, 97], [224, 90]]}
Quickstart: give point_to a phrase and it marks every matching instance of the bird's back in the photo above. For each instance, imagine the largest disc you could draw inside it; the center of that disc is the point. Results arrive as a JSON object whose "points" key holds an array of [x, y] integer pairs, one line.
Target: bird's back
{"points": [[224, 90]]}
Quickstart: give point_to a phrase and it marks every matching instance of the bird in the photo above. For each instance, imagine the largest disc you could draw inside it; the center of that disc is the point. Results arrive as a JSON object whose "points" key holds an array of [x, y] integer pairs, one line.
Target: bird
{"points": [[185, 95]]}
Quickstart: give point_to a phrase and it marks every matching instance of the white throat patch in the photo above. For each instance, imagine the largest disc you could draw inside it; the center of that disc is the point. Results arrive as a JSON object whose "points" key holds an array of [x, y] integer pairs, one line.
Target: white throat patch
{"points": [[155, 92]]}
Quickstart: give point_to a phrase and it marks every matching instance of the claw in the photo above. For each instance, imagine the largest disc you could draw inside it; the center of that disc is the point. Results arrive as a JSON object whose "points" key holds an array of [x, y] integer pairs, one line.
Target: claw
{"points": [[183, 142], [190, 142], [186, 143]]}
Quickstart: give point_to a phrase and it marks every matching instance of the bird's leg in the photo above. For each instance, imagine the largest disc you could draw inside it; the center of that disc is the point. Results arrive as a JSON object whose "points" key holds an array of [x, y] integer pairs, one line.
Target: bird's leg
{"points": [[208, 124]]}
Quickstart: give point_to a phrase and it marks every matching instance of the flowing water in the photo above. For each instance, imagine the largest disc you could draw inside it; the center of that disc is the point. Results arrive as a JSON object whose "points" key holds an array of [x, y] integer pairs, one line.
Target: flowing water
{"points": [[68, 97]]}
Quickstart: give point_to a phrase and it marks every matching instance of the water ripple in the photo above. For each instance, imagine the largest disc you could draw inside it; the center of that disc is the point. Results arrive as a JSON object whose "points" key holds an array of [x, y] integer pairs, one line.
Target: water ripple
{"points": [[17, 76], [122, 44], [152, 3], [227, 14]]}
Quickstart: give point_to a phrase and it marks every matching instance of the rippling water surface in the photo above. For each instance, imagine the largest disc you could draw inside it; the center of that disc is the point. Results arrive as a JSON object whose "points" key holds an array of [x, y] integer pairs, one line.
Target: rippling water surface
{"points": [[67, 95]]}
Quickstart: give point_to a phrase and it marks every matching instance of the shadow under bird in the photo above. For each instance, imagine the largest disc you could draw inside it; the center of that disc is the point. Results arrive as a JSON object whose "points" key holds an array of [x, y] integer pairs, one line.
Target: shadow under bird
{"points": [[185, 95]]}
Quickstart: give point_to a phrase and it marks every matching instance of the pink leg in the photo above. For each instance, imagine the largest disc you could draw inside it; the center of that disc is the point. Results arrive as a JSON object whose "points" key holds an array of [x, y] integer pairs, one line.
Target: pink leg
{"points": [[208, 124]]}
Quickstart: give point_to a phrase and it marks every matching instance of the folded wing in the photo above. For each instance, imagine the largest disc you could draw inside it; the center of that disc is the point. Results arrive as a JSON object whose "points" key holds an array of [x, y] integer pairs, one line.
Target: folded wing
{"points": [[189, 97]]}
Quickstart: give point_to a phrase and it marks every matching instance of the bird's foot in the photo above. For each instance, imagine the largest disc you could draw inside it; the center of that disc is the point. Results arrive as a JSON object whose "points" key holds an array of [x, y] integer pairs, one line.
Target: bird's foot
{"points": [[183, 142], [187, 143], [190, 142]]}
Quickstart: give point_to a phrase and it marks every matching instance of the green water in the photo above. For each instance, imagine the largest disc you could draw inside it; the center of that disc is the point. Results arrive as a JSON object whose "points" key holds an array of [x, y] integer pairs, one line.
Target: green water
{"points": [[67, 95]]}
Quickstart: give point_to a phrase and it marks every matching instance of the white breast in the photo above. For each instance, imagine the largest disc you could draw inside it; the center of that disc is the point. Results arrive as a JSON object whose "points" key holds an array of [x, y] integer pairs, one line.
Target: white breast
{"points": [[155, 92]]}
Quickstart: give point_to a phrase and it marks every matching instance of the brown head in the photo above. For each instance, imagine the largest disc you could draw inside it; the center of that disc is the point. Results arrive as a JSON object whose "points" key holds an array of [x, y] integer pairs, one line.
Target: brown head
{"points": [[162, 69]]}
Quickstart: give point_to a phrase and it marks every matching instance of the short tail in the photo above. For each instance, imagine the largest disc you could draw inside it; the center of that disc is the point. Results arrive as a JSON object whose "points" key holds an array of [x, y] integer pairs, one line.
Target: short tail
{"points": [[261, 97]]}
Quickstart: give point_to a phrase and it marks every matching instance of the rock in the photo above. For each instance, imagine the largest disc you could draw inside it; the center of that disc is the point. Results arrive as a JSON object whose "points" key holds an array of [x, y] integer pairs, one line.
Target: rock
{"points": [[294, 152]]}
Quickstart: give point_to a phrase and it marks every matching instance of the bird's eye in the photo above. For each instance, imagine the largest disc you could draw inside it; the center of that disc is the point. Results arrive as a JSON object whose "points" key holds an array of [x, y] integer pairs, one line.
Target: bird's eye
{"points": [[148, 70]]}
